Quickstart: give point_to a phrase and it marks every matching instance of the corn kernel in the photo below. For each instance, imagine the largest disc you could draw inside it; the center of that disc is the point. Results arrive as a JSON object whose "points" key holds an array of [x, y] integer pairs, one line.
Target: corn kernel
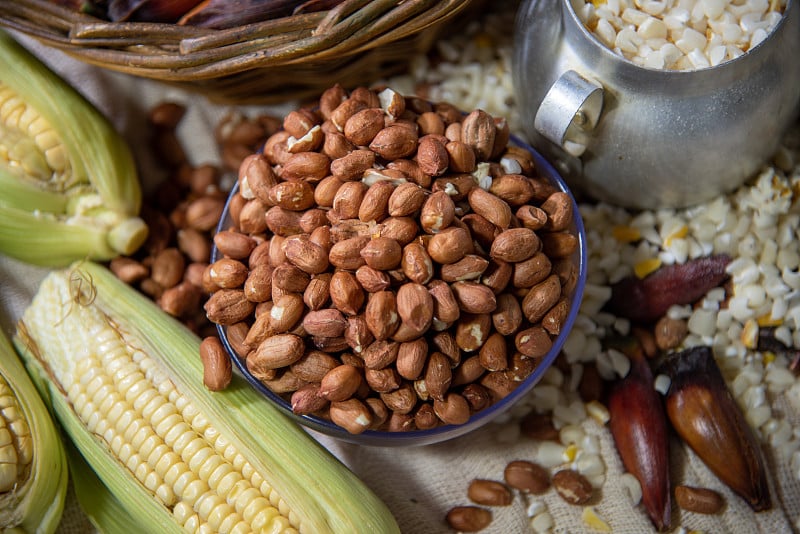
{"points": [[767, 320], [625, 234], [570, 452], [679, 233], [594, 520], [768, 358], [749, 335], [598, 411], [645, 267]]}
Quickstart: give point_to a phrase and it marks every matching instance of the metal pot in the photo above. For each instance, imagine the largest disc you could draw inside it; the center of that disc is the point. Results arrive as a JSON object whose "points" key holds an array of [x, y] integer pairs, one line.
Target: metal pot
{"points": [[646, 138]]}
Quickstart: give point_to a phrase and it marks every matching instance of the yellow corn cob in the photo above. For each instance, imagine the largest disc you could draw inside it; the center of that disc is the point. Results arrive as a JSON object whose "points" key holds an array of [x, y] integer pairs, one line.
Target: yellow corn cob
{"points": [[126, 384], [69, 182], [33, 467]]}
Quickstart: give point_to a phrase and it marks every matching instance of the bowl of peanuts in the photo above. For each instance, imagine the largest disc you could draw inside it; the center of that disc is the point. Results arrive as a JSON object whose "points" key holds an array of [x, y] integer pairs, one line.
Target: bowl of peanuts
{"points": [[391, 271]]}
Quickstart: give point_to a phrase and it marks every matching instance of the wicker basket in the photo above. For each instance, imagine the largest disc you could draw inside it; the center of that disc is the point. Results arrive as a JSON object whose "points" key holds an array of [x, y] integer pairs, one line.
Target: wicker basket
{"points": [[355, 43]]}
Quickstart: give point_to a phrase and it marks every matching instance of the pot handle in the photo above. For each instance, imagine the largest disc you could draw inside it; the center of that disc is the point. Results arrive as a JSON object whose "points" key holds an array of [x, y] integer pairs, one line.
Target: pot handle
{"points": [[569, 111]]}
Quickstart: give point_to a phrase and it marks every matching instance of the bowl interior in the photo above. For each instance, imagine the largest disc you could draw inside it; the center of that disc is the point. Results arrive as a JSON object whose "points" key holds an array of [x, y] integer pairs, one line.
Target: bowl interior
{"points": [[444, 432]]}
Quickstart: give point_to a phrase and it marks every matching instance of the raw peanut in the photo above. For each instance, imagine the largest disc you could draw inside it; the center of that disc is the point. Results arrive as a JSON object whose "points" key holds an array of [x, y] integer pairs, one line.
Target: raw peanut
{"points": [[128, 270], [432, 156], [493, 355], [467, 371], [498, 275], [330, 344], [348, 107], [275, 148], [515, 244], [452, 410], [448, 112], [489, 493], [234, 244], [402, 229], [275, 251], [325, 191], [481, 229], [194, 244], [330, 99], [406, 199], [216, 364], [473, 297], [539, 426], [367, 96], [374, 206], [472, 330], [362, 127], [307, 400], [378, 410], [299, 121], [531, 217], [402, 400], [699, 500], [352, 415], [477, 396], [326, 323], [527, 477], [478, 130], [346, 293], [321, 236], [499, 384], [256, 177], [349, 228], [346, 254], [313, 365], [258, 285], [284, 382], [410, 171], [382, 380], [559, 244], [501, 137], [438, 375], [461, 156], [251, 217], [425, 418], [180, 300], [400, 422], [521, 366], [309, 166], [228, 306], [382, 253], [381, 314], [449, 245], [260, 329], [558, 207], [554, 319], [357, 334], [372, 280], [260, 254], [228, 273], [340, 383], [411, 358], [416, 263], [204, 213], [167, 268], [515, 189], [380, 354], [470, 267], [280, 350], [540, 298], [312, 219], [468, 518], [335, 145], [283, 222], [430, 122], [457, 186], [286, 311], [292, 196], [531, 271], [453, 132], [347, 200], [236, 334], [533, 342], [289, 278], [317, 291], [415, 306], [353, 165], [392, 102], [394, 142], [492, 208], [572, 486], [445, 305], [194, 274], [445, 342], [305, 255]]}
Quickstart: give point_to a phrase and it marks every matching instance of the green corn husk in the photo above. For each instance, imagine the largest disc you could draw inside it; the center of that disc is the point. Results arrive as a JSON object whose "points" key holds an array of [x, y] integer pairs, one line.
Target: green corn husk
{"points": [[125, 381], [33, 466], [69, 181]]}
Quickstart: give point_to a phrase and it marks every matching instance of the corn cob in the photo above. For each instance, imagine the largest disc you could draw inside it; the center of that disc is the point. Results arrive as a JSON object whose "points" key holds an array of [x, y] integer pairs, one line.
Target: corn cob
{"points": [[33, 468], [69, 182], [126, 384]]}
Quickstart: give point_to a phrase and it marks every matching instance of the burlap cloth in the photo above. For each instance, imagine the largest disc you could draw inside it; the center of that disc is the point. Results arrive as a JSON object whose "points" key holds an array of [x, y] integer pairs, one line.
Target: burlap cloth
{"points": [[418, 484]]}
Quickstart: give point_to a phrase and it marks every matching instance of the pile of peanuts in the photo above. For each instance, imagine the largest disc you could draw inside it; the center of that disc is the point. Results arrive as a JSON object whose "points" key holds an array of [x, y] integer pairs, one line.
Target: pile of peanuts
{"points": [[392, 263]]}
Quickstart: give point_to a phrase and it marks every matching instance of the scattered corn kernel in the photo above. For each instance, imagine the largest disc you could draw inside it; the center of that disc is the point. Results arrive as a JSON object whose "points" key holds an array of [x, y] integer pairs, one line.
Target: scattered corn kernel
{"points": [[570, 452], [625, 234], [679, 233], [749, 335], [767, 320], [645, 267], [632, 487], [598, 411], [594, 520]]}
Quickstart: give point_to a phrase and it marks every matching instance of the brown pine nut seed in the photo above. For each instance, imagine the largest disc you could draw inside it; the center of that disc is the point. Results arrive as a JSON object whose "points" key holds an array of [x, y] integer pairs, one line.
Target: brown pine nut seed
{"points": [[489, 493]]}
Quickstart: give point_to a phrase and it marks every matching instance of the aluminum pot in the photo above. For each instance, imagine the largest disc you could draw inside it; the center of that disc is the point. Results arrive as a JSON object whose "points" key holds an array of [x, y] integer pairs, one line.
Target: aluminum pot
{"points": [[647, 138]]}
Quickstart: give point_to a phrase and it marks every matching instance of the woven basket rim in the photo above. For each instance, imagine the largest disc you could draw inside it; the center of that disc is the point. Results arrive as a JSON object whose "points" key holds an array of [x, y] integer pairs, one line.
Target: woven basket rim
{"points": [[182, 53]]}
